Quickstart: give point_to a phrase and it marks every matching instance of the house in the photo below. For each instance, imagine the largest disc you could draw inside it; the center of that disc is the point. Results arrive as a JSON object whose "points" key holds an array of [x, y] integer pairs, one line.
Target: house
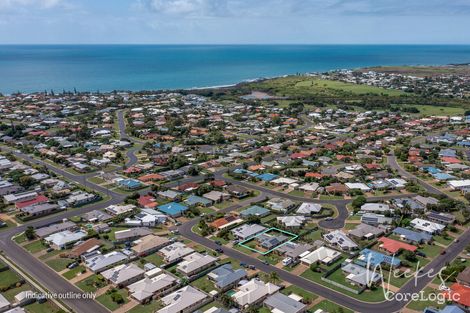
{"points": [[396, 183], [88, 246], [4, 304], [131, 234], [253, 292], [216, 196], [184, 300], [425, 201], [123, 275], [292, 221], [269, 242], [446, 309], [375, 208], [79, 198], [225, 277], [248, 230], [129, 184], [440, 217], [308, 208], [376, 219], [174, 252], [358, 186], [147, 218], [458, 184], [225, 222], [95, 216], [195, 263], [150, 287], [173, 209], [366, 231], [427, 226], [64, 239], [392, 246], [55, 228], [371, 259], [116, 210], [360, 276], [193, 200], [39, 199], [463, 277], [170, 195], [38, 210], [254, 210], [459, 294], [19, 197], [238, 192], [322, 254], [411, 236], [339, 239], [7, 188], [98, 262], [279, 302], [294, 250], [281, 205], [149, 244]]}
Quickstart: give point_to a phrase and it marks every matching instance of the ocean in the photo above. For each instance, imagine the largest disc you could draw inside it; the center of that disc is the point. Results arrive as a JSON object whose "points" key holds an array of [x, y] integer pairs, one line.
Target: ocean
{"points": [[30, 68]]}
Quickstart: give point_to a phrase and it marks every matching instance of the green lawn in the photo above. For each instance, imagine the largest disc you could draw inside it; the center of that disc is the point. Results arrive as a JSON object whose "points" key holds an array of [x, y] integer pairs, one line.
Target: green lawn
{"points": [[50, 254], [59, 264], [106, 300], [437, 110], [73, 272], [91, 284], [151, 307], [319, 84], [20, 238], [330, 307], [271, 258], [46, 307], [35, 246], [307, 296], [445, 241], [204, 284], [11, 293], [431, 250], [154, 259], [8, 278], [421, 305]]}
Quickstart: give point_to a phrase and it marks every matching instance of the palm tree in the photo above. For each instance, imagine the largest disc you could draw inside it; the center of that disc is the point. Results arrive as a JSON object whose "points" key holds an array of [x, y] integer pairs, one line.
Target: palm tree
{"points": [[273, 277]]}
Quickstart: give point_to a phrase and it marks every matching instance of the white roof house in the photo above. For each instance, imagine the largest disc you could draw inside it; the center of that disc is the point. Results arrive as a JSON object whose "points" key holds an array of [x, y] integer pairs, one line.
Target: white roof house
{"points": [[61, 239], [322, 254], [186, 299], [308, 208], [375, 207], [194, 263], [340, 239], [253, 292], [291, 221], [426, 226], [397, 182], [360, 186], [245, 231], [123, 274], [99, 262], [175, 251], [149, 286], [458, 184]]}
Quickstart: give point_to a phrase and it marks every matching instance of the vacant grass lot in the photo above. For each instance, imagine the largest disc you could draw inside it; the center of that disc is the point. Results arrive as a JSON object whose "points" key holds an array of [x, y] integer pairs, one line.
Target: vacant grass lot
{"points": [[59, 264], [328, 306], [8, 278], [108, 302], [35, 246]]}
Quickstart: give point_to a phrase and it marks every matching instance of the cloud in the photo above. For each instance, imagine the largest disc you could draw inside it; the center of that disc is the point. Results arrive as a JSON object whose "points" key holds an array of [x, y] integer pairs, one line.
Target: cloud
{"points": [[31, 4], [289, 8]]}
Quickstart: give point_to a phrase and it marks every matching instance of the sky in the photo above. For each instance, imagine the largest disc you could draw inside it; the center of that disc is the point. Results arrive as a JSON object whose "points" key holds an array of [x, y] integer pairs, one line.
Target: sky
{"points": [[235, 21]]}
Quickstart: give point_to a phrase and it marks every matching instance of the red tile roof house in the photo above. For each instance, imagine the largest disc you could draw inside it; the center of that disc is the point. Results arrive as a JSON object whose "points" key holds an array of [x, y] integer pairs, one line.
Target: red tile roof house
{"points": [[39, 199], [392, 246], [218, 183], [147, 202], [151, 177], [459, 294], [187, 187], [450, 160]]}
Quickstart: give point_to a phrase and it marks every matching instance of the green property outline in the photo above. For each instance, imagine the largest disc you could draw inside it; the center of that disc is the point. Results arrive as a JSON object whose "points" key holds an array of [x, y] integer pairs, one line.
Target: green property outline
{"points": [[242, 244]]}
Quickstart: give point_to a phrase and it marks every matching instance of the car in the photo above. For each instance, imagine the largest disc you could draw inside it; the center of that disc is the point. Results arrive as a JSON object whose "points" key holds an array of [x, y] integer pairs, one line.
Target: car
{"points": [[419, 253], [218, 243], [266, 263], [443, 252], [243, 264], [72, 265], [219, 250], [328, 219], [50, 249], [251, 267]]}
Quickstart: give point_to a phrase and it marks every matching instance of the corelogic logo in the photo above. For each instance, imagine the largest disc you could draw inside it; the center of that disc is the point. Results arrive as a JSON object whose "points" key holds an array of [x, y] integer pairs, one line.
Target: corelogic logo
{"points": [[444, 294]]}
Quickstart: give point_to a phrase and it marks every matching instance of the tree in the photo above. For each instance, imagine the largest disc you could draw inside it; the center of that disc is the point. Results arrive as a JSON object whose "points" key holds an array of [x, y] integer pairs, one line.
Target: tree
{"points": [[358, 202], [30, 233]]}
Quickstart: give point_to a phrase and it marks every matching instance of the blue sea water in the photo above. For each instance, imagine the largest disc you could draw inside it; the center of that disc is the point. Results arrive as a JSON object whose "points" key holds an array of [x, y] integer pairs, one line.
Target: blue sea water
{"points": [[29, 68]]}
